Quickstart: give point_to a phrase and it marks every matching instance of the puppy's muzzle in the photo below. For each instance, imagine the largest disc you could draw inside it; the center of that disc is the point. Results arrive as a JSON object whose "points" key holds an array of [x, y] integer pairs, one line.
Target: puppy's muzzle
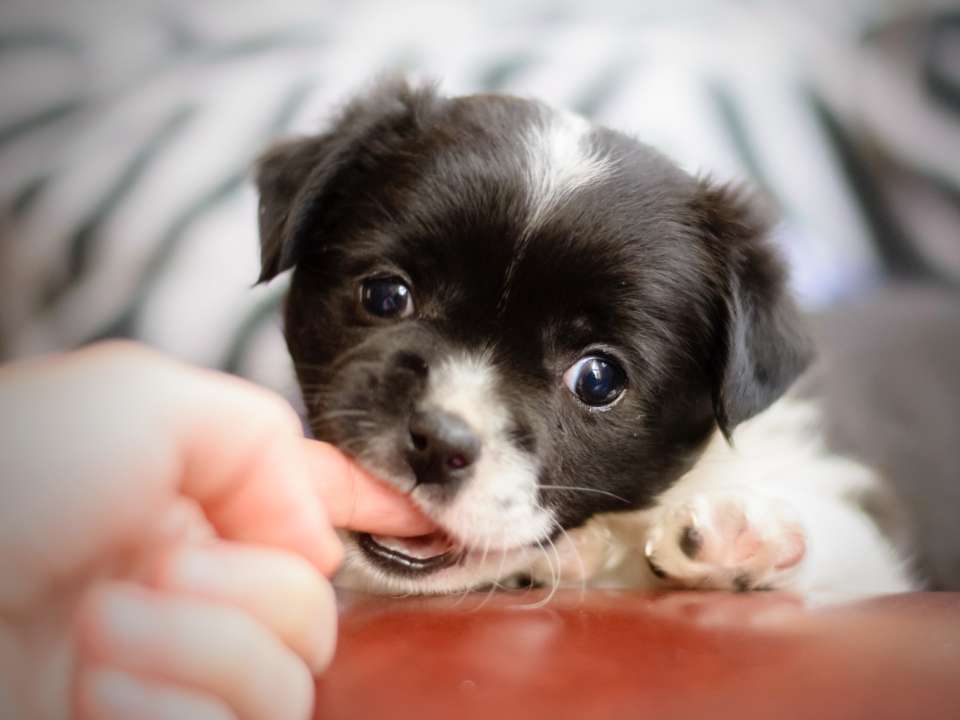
{"points": [[441, 448]]}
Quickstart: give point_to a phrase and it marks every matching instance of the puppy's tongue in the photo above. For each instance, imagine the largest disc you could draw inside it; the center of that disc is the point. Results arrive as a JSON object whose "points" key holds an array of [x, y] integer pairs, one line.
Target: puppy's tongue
{"points": [[421, 547]]}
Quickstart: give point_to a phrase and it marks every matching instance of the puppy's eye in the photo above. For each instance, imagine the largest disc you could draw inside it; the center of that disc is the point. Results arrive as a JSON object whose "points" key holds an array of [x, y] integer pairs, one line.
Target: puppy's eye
{"points": [[386, 297], [597, 381]]}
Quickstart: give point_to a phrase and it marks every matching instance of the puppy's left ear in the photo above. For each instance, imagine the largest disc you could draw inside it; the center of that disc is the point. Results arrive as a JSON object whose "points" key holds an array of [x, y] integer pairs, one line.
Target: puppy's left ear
{"points": [[764, 346]]}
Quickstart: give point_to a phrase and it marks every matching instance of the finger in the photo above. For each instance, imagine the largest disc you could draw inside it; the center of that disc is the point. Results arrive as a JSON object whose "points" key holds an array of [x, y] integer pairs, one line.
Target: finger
{"points": [[119, 426], [245, 464], [282, 591], [356, 500], [106, 694], [203, 647]]}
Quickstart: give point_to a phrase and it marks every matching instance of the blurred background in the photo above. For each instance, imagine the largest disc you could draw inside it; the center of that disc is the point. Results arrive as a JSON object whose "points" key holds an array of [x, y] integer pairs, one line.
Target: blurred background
{"points": [[127, 129]]}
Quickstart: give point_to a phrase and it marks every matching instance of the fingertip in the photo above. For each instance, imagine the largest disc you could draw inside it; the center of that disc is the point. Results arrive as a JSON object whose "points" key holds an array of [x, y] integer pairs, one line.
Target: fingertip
{"points": [[323, 644], [105, 693], [111, 614], [357, 500]]}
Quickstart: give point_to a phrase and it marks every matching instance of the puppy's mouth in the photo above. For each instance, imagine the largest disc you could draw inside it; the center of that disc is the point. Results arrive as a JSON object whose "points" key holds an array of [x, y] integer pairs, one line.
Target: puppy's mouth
{"points": [[411, 556]]}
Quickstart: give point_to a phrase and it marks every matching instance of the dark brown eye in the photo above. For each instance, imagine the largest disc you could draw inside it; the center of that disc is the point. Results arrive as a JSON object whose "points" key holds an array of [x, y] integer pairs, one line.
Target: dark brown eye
{"points": [[386, 297], [597, 381]]}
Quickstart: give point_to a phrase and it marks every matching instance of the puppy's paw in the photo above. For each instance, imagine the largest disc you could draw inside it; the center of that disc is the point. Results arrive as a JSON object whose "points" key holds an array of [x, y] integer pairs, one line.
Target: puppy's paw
{"points": [[725, 541]]}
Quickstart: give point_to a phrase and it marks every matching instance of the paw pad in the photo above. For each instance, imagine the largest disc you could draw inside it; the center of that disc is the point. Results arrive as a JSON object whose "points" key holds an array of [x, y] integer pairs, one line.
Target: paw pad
{"points": [[690, 541], [724, 541]]}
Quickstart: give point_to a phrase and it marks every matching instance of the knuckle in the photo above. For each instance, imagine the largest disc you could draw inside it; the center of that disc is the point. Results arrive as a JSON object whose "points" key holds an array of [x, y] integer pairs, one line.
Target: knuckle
{"points": [[280, 413]]}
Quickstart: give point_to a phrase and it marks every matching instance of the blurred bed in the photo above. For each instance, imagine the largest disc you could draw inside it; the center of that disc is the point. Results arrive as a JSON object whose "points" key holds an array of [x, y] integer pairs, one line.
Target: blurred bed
{"points": [[127, 130]]}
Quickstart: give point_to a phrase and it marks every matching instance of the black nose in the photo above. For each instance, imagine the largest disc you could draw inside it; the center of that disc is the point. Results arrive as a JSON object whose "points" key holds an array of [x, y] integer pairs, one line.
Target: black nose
{"points": [[441, 446]]}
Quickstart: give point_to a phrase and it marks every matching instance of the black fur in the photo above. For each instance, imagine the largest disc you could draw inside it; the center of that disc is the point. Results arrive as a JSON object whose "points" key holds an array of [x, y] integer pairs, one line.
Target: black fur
{"points": [[672, 276]]}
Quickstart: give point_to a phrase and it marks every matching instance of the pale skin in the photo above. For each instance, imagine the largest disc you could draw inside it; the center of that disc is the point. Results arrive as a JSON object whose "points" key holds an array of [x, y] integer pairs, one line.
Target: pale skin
{"points": [[166, 535]]}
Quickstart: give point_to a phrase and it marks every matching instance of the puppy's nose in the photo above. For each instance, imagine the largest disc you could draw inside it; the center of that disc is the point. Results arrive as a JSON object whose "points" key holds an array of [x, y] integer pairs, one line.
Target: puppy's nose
{"points": [[441, 446]]}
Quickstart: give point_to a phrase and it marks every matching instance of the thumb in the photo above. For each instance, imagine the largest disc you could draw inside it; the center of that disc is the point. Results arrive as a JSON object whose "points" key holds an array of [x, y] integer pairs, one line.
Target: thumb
{"points": [[246, 463]]}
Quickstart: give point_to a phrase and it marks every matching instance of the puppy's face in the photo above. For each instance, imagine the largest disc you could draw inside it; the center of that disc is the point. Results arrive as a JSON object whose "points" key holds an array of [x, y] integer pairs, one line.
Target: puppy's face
{"points": [[517, 318]]}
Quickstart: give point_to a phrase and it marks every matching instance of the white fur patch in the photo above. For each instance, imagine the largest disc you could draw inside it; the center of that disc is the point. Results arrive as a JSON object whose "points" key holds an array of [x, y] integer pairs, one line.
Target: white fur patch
{"points": [[779, 458], [497, 508], [495, 515], [466, 386], [558, 162]]}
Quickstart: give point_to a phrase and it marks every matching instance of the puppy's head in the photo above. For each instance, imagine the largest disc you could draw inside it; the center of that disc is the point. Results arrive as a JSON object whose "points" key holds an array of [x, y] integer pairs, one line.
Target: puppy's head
{"points": [[518, 318]]}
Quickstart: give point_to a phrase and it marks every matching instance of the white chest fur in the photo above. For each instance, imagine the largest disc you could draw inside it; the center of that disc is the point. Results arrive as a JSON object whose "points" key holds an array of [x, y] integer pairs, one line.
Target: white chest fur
{"points": [[775, 510]]}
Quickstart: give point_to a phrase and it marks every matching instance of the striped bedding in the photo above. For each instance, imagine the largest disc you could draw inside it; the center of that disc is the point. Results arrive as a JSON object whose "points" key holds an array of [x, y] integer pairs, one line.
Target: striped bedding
{"points": [[127, 130]]}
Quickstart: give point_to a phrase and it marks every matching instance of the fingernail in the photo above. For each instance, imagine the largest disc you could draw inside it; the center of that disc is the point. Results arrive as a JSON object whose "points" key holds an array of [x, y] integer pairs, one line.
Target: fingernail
{"points": [[323, 640], [197, 569], [114, 694], [121, 617]]}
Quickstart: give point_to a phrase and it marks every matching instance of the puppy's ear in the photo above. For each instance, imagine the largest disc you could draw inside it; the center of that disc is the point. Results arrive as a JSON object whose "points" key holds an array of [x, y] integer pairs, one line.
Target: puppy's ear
{"points": [[303, 182], [764, 347], [281, 173]]}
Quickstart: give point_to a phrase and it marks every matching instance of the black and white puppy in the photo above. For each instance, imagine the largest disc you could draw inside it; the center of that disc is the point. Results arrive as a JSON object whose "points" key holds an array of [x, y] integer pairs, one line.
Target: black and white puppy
{"points": [[548, 335]]}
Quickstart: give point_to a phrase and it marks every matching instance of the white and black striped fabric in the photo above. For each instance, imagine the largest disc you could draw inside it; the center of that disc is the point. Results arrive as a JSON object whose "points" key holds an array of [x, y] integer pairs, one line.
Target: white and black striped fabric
{"points": [[127, 130]]}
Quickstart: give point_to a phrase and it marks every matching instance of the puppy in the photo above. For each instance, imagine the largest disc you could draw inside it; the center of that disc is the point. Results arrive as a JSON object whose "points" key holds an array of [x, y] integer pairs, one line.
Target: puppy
{"points": [[573, 356]]}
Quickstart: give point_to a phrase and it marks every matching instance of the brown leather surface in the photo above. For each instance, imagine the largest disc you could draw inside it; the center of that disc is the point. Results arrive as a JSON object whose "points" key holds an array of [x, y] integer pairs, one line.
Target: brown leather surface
{"points": [[631, 655]]}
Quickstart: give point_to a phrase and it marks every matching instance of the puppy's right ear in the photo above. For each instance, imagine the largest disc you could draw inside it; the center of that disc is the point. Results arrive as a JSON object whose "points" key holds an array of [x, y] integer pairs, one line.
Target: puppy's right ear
{"points": [[303, 181], [280, 175]]}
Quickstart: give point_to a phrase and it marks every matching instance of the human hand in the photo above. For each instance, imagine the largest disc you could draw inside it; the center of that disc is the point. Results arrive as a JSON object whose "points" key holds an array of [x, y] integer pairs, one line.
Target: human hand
{"points": [[164, 536]]}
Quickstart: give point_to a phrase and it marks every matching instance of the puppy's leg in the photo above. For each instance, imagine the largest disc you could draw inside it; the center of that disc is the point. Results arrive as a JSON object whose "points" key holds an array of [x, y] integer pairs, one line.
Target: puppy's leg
{"points": [[821, 527], [725, 539], [785, 534], [778, 510]]}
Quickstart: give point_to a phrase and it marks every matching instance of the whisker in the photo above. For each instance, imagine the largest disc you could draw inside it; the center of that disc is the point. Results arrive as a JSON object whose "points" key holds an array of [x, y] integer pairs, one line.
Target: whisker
{"points": [[486, 550], [585, 489], [495, 585], [351, 442], [319, 388], [556, 585], [554, 581], [300, 365], [357, 418], [354, 446], [466, 588], [483, 560], [357, 425], [331, 414], [576, 553]]}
